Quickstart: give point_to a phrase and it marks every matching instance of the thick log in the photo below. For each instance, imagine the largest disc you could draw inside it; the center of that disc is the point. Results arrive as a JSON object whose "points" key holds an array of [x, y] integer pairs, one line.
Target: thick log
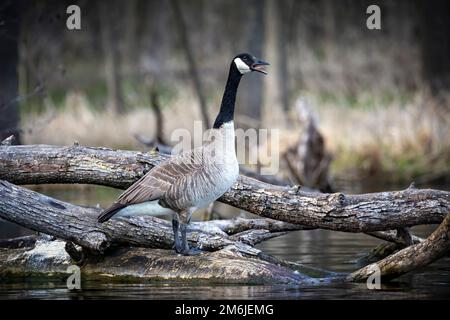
{"points": [[36, 164]]}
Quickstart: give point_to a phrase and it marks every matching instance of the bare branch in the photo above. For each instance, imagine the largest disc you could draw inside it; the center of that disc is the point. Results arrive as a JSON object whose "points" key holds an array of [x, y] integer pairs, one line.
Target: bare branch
{"points": [[8, 141], [393, 237], [19, 242], [253, 237], [410, 258]]}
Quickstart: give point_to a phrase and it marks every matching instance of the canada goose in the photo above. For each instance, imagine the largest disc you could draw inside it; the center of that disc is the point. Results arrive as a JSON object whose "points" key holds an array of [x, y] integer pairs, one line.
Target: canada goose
{"points": [[195, 178]]}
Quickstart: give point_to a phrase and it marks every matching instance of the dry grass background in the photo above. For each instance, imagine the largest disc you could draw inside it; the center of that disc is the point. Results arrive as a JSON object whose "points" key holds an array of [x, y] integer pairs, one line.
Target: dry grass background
{"points": [[395, 139]]}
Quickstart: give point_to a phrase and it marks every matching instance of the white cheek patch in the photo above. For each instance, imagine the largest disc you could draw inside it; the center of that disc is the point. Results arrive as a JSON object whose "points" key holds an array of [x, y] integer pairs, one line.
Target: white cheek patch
{"points": [[242, 66]]}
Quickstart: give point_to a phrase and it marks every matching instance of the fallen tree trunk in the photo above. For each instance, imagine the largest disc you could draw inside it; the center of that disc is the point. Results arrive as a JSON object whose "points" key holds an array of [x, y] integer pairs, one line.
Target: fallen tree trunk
{"points": [[35, 164], [231, 256], [79, 225]]}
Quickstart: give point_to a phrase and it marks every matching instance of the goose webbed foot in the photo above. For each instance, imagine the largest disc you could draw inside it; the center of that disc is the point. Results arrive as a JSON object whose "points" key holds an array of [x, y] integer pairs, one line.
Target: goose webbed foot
{"points": [[186, 250], [192, 252]]}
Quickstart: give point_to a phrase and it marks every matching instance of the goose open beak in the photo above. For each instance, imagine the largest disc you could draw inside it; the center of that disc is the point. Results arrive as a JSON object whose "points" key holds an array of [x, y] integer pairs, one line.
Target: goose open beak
{"points": [[259, 66]]}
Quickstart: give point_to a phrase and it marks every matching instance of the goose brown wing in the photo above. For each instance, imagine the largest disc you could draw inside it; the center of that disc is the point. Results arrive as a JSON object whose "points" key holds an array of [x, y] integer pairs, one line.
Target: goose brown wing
{"points": [[160, 179]]}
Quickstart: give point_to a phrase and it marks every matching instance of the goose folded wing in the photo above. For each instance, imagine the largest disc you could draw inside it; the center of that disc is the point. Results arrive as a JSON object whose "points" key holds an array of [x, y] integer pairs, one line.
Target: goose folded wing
{"points": [[155, 184]]}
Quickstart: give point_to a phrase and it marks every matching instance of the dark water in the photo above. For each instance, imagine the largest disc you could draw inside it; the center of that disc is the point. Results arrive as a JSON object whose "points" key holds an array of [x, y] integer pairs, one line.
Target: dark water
{"points": [[336, 251]]}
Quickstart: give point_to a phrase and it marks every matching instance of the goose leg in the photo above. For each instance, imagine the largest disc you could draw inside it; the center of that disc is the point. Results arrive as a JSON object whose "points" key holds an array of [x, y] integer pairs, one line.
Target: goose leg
{"points": [[175, 227], [186, 250], [184, 242], [184, 219]]}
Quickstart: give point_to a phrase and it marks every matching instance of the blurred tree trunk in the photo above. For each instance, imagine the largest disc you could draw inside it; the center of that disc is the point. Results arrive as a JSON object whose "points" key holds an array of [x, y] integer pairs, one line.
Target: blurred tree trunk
{"points": [[435, 26], [276, 92], [282, 56], [250, 93], [329, 25], [9, 57], [184, 37], [108, 19], [131, 21]]}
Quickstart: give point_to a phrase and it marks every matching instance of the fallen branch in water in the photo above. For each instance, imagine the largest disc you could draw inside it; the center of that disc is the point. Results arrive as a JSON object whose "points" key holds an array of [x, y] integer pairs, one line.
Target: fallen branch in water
{"points": [[393, 237], [410, 258], [290, 208], [19, 242]]}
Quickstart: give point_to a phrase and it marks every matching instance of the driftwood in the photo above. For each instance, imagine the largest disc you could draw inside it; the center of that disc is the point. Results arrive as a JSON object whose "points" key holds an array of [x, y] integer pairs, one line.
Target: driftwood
{"points": [[308, 161], [285, 209], [410, 258]]}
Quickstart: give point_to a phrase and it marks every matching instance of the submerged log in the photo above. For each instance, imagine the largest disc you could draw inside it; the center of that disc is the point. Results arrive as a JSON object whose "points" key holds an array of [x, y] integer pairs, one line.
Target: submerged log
{"points": [[36, 164]]}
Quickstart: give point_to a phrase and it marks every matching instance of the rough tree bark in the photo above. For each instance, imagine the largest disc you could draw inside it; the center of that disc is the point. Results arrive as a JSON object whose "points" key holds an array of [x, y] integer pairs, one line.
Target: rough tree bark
{"points": [[193, 69], [36, 164], [141, 264], [79, 224], [10, 14]]}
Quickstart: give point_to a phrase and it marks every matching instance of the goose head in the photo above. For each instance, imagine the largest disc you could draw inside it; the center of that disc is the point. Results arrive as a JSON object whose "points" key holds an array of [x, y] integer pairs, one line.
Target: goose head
{"points": [[246, 63]]}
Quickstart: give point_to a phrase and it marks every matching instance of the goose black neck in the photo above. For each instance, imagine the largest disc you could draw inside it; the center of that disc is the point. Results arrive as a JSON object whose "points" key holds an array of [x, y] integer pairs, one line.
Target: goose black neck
{"points": [[226, 112]]}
